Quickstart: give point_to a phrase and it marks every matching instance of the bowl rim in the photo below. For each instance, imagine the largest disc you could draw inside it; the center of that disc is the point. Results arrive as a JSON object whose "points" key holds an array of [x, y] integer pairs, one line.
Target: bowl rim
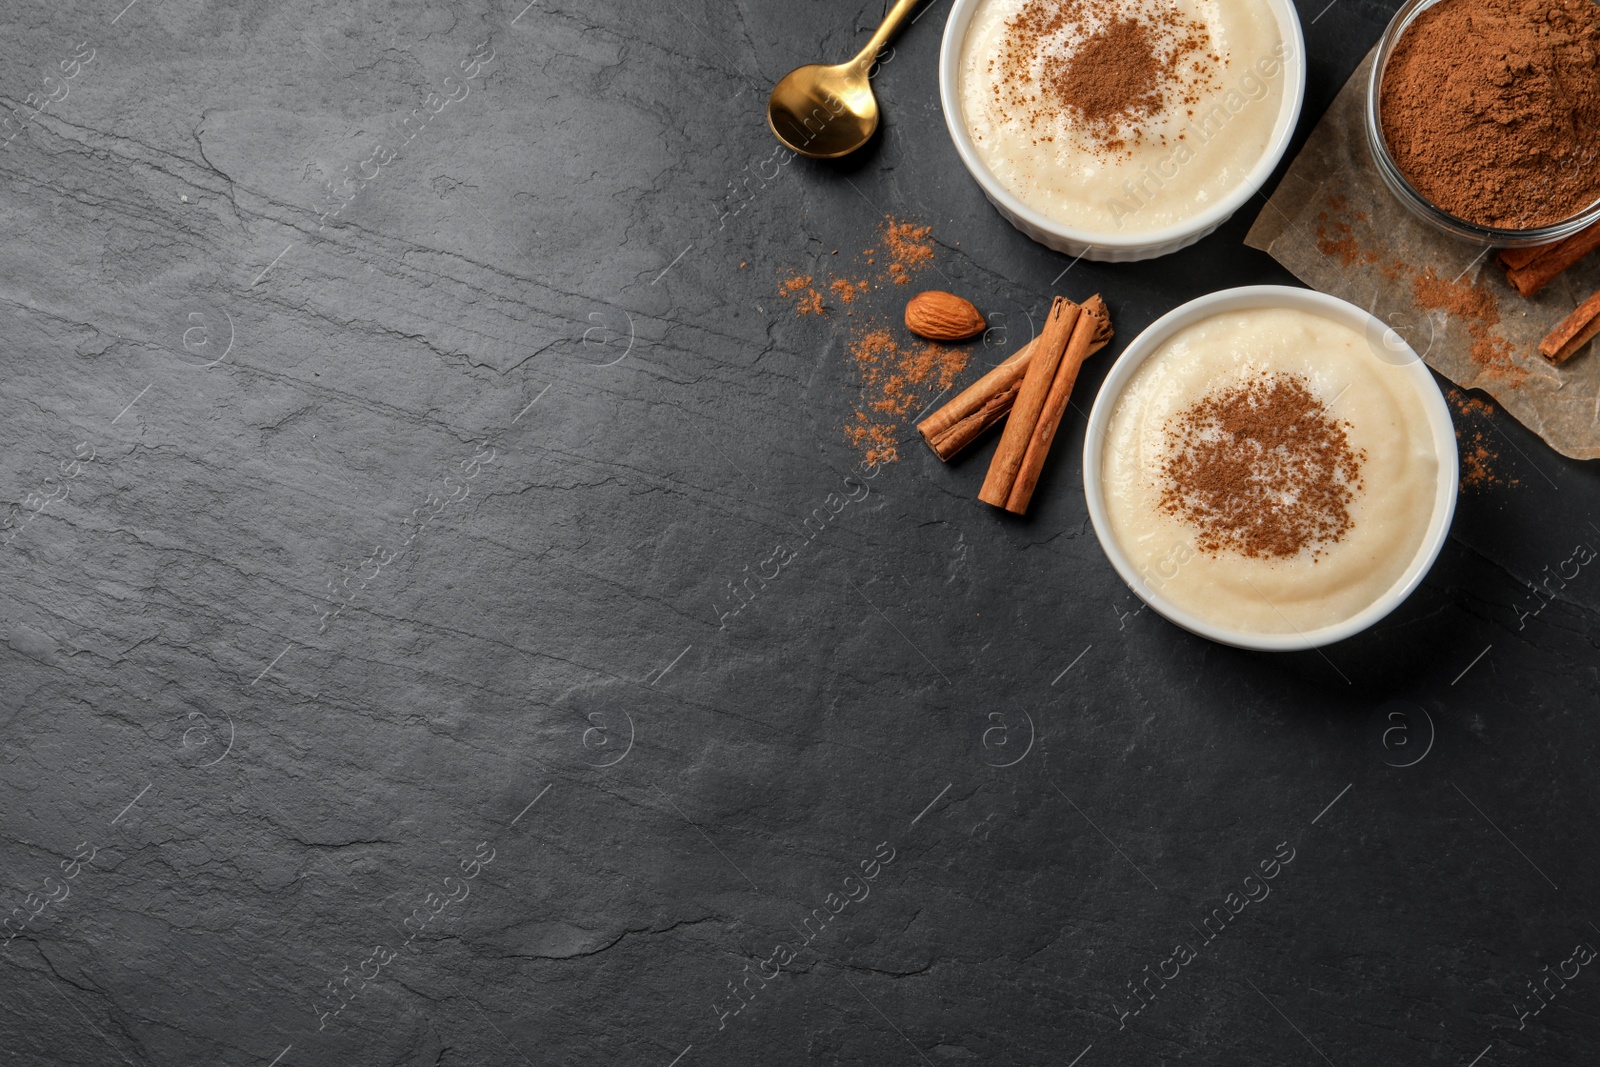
{"points": [[1288, 120], [1273, 296], [1408, 194]]}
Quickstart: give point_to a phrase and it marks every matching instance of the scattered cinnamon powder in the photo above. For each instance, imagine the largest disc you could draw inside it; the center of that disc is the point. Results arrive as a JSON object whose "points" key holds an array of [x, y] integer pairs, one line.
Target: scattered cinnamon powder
{"points": [[807, 300], [1336, 234], [1109, 74], [1337, 239], [1470, 405], [1475, 460], [908, 246], [1478, 458], [1476, 308], [1259, 468], [847, 291], [1491, 108], [896, 381], [875, 440]]}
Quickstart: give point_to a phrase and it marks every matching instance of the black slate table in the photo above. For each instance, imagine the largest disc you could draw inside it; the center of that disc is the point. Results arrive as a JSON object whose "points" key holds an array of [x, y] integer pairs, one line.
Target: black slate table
{"points": [[367, 691]]}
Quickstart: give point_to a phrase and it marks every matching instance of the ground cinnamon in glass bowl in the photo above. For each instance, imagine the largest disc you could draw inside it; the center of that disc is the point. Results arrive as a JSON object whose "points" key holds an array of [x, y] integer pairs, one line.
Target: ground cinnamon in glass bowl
{"points": [[1484, 116]]}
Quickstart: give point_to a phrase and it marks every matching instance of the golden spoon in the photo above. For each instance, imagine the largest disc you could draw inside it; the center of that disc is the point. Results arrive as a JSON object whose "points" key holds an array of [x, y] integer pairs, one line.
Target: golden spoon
{"points": [[826, 112]]}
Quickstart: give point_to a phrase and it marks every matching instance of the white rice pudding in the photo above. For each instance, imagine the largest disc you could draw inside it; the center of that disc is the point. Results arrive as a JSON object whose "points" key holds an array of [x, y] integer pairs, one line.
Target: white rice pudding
{"points": [[1122, 117], [1266, 471]]}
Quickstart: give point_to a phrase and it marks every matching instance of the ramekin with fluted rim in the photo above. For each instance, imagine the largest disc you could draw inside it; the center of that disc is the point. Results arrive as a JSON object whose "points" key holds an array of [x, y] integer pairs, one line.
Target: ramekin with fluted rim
{"points": [[1112, 247], [1387, 345]]}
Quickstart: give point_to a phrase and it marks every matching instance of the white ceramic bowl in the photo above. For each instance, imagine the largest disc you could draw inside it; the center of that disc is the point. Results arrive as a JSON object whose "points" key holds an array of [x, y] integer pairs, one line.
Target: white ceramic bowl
{"points": [[1116, 247], [1386, 345]]}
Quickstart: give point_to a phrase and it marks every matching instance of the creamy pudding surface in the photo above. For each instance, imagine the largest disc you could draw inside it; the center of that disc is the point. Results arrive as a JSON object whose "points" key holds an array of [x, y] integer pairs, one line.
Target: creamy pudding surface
{"points": [[1121, 115], [1265, 471]]}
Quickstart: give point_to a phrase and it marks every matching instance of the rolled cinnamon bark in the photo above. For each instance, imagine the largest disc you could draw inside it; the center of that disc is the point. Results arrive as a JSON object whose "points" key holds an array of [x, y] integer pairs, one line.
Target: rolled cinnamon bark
{"points": [[978, 406], [1575, 331], [986, 401], [1542, 269], [1517, 258], [1055, 405], [1041, 372]]}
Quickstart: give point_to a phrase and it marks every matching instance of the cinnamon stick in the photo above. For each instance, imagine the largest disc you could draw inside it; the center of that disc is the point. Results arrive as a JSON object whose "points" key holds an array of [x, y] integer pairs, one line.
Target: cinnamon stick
{"points": [[956, 424], [1575, 331], [1517, 258], [986, 401], [1036, 381], [1540, 271], [1055, 405]]}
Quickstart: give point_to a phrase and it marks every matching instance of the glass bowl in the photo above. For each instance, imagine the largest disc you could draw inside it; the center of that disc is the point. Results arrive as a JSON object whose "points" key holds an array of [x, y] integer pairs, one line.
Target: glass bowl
{"points": [[1407, 194]]}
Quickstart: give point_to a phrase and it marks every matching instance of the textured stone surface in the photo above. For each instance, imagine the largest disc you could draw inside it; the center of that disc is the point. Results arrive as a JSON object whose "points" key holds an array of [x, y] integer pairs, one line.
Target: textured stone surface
{"points": [[327, 605]]}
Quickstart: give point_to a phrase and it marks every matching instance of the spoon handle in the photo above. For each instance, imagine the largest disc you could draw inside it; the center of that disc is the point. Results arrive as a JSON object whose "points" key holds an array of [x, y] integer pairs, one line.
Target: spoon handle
{"points": [[891, 22]]}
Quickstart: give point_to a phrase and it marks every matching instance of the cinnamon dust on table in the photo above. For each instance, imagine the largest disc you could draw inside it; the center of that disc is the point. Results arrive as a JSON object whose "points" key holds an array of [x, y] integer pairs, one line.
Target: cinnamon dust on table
{"points": [[1491, 108], [1478, 457], [896, 380], [1470, 405], [1258, 467], [807, 301], [847, 291], [908, 246], [896, 375]]}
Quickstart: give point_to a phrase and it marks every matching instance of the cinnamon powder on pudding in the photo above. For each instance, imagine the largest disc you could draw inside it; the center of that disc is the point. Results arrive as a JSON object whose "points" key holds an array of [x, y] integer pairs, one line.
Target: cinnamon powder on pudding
{"points": [[1491, 109], [1261, 469], [1111, 73]]}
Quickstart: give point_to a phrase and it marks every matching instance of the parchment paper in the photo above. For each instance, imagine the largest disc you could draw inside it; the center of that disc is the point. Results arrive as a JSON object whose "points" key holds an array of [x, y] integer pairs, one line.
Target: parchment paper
{"points": [[1335, 225]]}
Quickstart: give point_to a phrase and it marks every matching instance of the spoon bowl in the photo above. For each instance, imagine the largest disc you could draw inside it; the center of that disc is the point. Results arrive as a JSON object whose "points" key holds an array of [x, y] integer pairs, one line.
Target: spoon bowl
{"points": [[826, 111], [823, 111]]}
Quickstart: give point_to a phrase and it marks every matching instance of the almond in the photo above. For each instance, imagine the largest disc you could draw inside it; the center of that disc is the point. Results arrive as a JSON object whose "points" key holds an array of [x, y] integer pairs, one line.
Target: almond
{"points": [[943, 317]]}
